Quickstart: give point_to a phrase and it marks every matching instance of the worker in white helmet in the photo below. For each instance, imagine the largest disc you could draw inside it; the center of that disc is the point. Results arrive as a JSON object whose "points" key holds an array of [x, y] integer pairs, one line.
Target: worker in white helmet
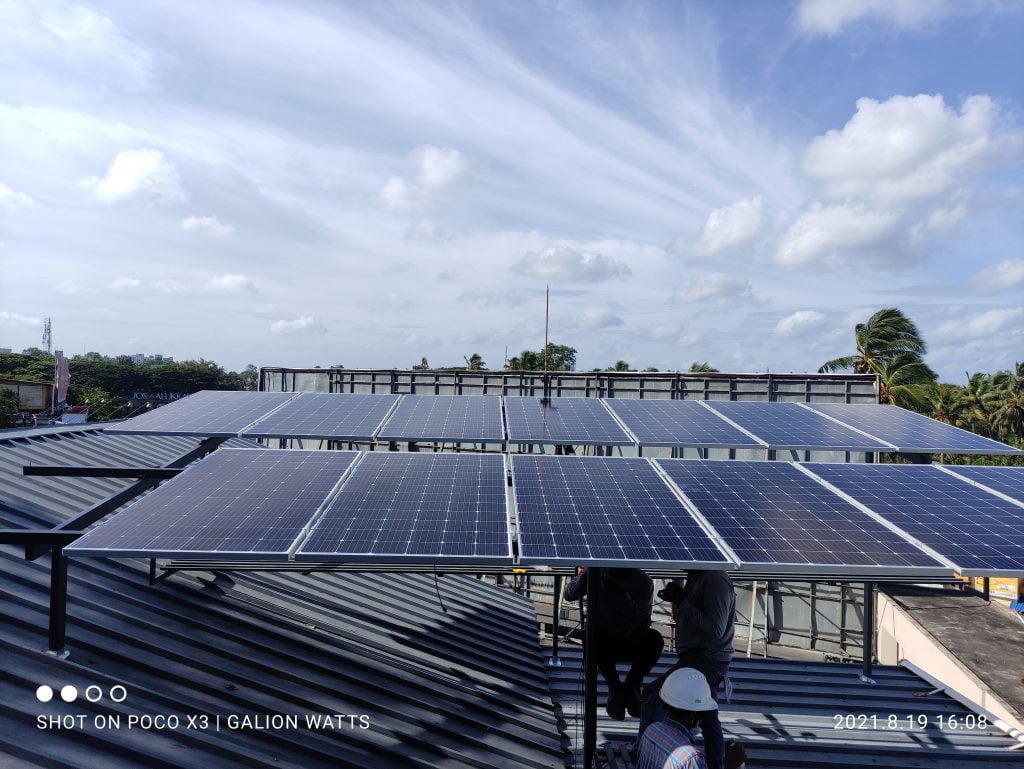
{"points": [[668, 744]]}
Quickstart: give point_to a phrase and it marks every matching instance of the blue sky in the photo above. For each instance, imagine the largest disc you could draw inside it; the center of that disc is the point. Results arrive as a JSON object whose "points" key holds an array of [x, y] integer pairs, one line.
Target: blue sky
{"points": [[309, 183]]}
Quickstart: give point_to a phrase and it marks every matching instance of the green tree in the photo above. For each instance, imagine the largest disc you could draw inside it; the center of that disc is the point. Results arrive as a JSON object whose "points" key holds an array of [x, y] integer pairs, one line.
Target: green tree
{"points": [[423, 365], [620, 365], [250, 377], [475, 363], [102, 405], [561, 357], [944, 402], [9, 408], [975, 400], [704, 367], [1006, 403], [905, 381], [650, 370], [887, 334]]}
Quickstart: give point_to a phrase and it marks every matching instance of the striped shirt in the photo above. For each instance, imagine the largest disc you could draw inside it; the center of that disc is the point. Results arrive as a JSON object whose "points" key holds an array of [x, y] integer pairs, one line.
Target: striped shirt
{"points": [[668, 745]]}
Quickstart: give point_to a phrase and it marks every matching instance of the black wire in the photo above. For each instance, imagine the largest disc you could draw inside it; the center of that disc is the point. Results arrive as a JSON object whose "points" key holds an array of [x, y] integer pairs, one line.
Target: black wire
{"points": [[437, 587]]}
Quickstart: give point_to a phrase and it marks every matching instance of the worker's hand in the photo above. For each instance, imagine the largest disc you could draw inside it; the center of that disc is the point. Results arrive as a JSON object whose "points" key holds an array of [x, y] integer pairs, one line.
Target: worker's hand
{"points": [[580, 569]]}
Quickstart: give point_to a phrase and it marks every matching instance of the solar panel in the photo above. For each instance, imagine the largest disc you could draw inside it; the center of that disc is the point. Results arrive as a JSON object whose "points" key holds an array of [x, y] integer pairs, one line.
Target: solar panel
{"points": [[1005, 480], [773, 515], [678, 423], [605, 511], [446, 418], [910, 432], [400, 506], [979, 532], [789, 426], [206, 413], [236, 502], [336, 416], [572, 421]]}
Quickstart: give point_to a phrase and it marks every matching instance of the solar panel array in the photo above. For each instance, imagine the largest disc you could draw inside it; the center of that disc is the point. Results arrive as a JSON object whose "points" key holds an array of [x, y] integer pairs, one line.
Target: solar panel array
{"points": [[576, 421], [206, 413], [417, 507], [980, 533], [790, 426], [326, 415], [1005, 480], [679, 423], [446, 418], [604, 511], [249, 502], [908, 431], [772, 515]]}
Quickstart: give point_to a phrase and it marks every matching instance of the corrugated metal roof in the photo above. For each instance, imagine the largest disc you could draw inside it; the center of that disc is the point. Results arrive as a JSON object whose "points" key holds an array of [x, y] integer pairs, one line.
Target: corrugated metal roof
{"points": [[464, 687], [783, 712]]}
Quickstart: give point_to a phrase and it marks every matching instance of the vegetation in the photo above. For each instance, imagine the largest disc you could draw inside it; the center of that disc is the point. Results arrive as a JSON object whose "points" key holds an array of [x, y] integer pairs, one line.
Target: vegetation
{"points": [[890, 345], [702, 368], [561, 357], [475, 363], [9, 407]]}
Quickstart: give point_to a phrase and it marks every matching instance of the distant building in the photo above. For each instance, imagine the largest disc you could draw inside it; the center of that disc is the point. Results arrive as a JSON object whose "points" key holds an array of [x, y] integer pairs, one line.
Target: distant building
{"points": [[32, 396], [138, 359], [5, 349]]}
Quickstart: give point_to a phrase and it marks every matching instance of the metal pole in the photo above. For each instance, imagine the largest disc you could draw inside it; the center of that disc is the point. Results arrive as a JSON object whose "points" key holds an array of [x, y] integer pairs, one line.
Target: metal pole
{"points": [[58, 599], [556, 611], [869, 630], [590, 670], [985, 588]]}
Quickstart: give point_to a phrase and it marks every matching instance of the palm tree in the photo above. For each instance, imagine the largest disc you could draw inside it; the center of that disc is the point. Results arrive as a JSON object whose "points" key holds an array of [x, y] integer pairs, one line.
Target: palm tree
{"points": [[903, 381], [944, 400], [620, 365], [702, 368], [887, 334], [475, 363], [1006, 402], [974, 403]]}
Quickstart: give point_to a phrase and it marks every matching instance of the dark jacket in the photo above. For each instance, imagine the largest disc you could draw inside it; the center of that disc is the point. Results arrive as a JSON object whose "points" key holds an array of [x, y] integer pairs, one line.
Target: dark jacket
{"points": [[624, 601], [705, 618]]}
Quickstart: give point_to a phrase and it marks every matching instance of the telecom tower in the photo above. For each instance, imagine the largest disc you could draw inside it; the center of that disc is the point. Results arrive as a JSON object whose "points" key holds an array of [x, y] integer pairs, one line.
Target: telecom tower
{"points": [[47, 336]]}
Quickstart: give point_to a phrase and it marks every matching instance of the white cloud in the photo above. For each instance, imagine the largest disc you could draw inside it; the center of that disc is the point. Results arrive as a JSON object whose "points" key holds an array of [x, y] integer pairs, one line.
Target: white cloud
{"points": [[1001, 276], [13, 317], [565, 263], [230, 284], [799, 323], [712, 285], [599, 317], [428, 231], [9, 198], [833, 234], [144, 173], [300, 325], [168, 286], [69, 288], [486, 297], [1000, 320], [828, 17], [124, 283], [906, 148], [208, 224], [725, 228], [435, 169]]}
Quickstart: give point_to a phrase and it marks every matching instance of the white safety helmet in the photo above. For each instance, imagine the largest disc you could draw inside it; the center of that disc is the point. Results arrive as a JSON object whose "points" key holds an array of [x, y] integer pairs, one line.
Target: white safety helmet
{"points": [[687, 689]]}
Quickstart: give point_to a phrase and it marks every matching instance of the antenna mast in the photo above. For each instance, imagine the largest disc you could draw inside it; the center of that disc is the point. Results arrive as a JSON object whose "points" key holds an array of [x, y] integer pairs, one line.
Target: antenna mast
{"points": [[47, 336]]}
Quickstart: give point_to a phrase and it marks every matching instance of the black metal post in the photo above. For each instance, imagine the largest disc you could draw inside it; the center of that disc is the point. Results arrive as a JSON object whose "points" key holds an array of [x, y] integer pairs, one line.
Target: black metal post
{"points": [[556, 611], [985, 588], [590, 672], [58, 599], [869, 630]]}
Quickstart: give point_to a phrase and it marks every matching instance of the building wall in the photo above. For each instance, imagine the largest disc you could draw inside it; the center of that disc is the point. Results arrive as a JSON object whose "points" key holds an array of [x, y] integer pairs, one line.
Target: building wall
{"points": [[32, 396]]}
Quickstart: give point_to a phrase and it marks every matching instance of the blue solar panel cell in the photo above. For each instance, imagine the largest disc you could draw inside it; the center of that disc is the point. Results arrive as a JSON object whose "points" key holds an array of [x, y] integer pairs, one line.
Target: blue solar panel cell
{"points": [[910, 432], [208, 413], [776, 517], [572, 421], [605, 512], [249, 502], [790, 426], [404, 506], [446, 418], [679, 423], [979, 532], [336, 416], [1005, 480]]}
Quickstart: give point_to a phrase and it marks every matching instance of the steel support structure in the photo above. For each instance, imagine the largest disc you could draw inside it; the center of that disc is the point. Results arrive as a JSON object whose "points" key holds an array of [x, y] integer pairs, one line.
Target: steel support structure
{"points": [[594, 576], [869, 632]]}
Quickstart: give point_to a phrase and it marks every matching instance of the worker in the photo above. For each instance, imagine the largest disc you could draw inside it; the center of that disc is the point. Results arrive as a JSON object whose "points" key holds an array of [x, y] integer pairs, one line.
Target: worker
{"points": [[704, 609], [668, 743], [622, 624]]}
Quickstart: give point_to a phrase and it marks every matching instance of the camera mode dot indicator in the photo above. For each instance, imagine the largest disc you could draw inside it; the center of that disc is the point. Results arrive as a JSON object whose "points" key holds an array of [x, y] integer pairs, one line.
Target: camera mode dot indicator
{"points": [[69, 693], [44, 693]]}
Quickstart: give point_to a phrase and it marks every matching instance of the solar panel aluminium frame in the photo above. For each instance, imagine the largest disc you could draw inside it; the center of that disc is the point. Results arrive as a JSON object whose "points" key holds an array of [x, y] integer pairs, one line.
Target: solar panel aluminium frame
{"points": [[803, 569], [394, 558], [382, 435], [628, 438], [247, 555], [253, 431], [117, 429], [955, 471], [756, 445], [882, 446], [728, 565], [912, 449]]}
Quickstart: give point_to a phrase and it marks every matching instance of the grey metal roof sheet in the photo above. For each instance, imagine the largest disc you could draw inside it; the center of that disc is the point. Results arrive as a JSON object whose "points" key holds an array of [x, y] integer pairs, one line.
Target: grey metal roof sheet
{"points": [[464, 687]]}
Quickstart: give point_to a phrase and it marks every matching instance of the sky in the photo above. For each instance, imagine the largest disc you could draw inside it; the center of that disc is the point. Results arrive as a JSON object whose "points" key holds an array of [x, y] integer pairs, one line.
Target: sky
{"points": [[366, 184]]}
